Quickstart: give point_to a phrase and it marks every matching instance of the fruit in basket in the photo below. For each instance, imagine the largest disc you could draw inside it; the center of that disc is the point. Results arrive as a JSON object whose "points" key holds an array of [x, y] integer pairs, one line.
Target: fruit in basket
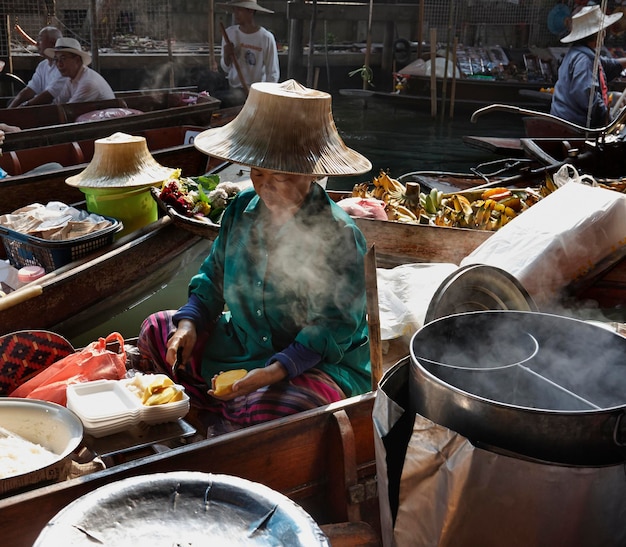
{"points": [[225, 380]]}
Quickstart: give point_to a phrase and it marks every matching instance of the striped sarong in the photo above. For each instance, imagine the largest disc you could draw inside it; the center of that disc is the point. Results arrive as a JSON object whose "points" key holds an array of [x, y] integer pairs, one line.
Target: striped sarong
{"points": [[309, 390]]}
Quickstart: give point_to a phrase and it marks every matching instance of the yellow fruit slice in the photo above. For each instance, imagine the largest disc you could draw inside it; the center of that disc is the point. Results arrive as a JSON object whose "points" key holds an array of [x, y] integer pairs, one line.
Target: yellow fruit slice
{"points": [[160, 391], [224, 381]]}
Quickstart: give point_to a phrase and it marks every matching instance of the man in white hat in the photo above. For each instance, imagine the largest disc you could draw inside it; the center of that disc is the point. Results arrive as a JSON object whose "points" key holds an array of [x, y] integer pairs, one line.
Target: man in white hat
{"points": [[576, 86], [249, 55], [47, 82], [83, 83]]}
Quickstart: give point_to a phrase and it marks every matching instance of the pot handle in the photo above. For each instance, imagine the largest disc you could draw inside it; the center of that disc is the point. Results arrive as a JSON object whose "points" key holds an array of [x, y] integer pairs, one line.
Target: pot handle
{"points": [[616, 431]]}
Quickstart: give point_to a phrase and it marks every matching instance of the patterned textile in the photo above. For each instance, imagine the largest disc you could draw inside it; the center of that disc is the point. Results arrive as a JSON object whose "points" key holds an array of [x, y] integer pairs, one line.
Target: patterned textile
{"points": [[25, 353], [310, 390]]}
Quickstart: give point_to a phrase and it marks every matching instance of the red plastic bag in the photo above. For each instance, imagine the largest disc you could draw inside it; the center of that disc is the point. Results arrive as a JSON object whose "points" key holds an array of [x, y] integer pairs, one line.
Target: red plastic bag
{"points": [[94, 362]]}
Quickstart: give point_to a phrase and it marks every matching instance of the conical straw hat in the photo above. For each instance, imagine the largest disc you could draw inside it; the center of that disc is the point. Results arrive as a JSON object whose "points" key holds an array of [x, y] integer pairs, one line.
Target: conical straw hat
{"points": [[287, 128], [119, 161]]}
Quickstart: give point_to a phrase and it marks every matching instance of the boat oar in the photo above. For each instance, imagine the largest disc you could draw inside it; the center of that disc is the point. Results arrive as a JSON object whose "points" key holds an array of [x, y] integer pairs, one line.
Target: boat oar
{"points": [[20, 295], [235, 61]]}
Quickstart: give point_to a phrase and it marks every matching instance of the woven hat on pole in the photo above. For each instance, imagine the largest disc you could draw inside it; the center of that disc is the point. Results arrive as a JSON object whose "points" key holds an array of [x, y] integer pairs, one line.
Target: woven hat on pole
{"points": [[284, 127], [589, 21], [120, 161]]}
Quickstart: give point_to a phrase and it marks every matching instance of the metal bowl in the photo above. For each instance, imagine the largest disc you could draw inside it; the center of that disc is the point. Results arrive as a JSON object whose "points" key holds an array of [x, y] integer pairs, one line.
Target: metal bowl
{"points": [[50, 425], [183, 508]]}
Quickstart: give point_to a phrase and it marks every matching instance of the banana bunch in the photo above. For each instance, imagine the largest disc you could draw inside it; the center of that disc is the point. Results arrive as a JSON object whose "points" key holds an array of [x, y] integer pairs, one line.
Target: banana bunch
{"points": [[386, 188], [431, 202], [402, 203]]}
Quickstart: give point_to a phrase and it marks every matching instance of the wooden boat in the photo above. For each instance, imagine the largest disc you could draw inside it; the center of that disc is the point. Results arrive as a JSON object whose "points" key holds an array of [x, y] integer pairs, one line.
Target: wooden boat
{"points": [[75, 293], [170, 146], [322, 459], [52, 124], [397, 242], [536, 125]]}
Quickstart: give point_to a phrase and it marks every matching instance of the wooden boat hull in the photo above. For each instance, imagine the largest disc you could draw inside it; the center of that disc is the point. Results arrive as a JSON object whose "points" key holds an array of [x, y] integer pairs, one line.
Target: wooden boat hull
{"points": [[468, 94], [323, 459], [74, 294], [53, 124], [80, 292]]}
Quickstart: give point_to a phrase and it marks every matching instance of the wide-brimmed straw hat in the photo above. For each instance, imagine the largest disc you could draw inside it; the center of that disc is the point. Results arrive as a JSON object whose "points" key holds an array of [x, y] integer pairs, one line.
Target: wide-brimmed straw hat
{"points": [[248, 4], [119, 161], [589, 21], [284, 127], [70, 45]]}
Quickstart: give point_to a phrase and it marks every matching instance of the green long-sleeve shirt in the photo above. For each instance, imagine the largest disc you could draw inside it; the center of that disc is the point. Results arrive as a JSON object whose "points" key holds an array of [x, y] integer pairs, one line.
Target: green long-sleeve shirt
{"points": [[303, 282]]}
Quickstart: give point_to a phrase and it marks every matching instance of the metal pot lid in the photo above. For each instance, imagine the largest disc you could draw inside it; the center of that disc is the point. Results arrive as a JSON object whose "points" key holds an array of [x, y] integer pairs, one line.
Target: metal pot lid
{"points": [[478, 287], [182, 508]]}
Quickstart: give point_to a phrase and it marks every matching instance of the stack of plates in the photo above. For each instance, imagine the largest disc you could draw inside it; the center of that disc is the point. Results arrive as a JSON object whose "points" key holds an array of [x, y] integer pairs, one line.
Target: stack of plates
{"points": [[106, 407]]}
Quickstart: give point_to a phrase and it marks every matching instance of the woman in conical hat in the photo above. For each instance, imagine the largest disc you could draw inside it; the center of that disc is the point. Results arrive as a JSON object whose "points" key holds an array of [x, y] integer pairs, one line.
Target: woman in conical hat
{"points": [[287, 267], [580, 96]]}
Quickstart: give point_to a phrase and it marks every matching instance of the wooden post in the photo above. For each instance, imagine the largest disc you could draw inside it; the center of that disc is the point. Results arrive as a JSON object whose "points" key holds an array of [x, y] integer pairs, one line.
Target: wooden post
{"points": [[170, 57], [212, 62], [453, 90], [368, 45], [433, 72], [373, 317], [420, 29], [309, 61], [95, 58]]}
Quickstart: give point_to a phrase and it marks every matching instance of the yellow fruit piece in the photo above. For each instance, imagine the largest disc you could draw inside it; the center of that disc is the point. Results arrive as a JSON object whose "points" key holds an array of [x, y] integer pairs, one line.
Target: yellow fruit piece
{"points": [[155, 390], [168, 394], [224, 381]]}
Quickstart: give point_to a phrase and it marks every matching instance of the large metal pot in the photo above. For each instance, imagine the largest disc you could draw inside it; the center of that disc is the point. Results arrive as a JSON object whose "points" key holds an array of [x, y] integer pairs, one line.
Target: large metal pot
{"points": [[564, 404], [50, 425]]}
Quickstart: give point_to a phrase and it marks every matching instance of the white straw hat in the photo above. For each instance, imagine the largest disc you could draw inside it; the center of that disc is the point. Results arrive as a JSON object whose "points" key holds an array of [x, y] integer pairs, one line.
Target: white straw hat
{"points": [[248, 4], [119, 161], [71, 46], [589, 21], [284, 127]]}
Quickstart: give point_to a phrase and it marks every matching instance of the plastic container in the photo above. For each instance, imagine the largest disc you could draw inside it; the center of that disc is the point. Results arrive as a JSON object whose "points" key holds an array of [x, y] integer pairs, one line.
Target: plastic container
{"points": [[134, 207], [106, 407], [27, 274]]}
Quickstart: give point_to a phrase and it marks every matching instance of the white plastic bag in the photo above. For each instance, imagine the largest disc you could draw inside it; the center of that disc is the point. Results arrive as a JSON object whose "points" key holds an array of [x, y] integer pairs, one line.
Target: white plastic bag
{"points": [[558, 240]]}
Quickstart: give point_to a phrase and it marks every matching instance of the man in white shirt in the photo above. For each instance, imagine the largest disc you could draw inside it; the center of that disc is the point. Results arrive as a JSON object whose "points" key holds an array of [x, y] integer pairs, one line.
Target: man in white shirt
{"points": [[83, 84], [251, 47], [46, 82]]}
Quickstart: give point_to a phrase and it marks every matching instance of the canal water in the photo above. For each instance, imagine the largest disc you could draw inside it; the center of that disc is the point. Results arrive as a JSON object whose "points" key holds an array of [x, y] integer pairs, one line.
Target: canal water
{"points": [[394, 138]]}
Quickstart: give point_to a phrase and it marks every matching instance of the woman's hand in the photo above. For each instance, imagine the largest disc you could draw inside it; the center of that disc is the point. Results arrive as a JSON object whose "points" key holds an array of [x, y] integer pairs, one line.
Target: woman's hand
{"points": [[184, 339], [255, 379]]}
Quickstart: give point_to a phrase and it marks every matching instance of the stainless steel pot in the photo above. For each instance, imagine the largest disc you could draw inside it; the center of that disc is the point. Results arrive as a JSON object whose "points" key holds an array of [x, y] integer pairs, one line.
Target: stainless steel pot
{"points": [[564, 404], [50, 425]]}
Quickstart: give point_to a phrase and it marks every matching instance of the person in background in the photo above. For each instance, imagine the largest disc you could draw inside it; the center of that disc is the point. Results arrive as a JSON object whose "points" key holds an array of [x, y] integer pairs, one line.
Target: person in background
{"points": [[83, 83], [282, 291], [47, 81], [576, 81], [254, 48]]}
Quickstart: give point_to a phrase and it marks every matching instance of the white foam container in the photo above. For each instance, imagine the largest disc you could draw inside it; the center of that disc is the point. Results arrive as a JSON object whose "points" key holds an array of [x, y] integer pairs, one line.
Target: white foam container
{"points": [[106, 407]]}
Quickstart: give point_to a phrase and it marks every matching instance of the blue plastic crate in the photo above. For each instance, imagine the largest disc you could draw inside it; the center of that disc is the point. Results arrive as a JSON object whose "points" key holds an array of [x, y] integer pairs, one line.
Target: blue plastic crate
{"points": [[24, 250]]}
